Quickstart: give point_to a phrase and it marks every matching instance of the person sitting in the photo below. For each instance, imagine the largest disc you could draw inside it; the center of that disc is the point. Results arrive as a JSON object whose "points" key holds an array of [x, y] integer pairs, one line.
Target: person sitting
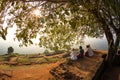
{"points": [[73, 54], [89, 52], [81, 54]]}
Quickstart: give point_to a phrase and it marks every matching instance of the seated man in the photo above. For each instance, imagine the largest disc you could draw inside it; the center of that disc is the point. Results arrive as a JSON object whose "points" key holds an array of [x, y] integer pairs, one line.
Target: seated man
{"points": [[81, 54]]}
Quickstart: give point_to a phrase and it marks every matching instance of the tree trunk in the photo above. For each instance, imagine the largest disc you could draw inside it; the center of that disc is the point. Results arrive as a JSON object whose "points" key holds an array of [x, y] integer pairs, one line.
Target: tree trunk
{"points": [[112, 50], [108, 27], [111, 53]]}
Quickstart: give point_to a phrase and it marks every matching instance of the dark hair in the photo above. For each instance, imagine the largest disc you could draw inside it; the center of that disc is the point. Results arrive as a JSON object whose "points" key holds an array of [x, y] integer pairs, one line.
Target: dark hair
{"points": [[73, 49], [87, 46], [80, 47], [118, 51]]}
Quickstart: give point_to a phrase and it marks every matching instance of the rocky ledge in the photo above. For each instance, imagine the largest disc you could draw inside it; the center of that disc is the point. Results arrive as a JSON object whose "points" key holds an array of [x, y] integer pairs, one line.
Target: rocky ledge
{"points": [[82, 69]]}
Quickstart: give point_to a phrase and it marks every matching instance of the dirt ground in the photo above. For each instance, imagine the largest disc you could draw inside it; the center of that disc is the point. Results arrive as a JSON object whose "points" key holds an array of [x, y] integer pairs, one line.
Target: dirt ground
{"points": [[39, 72], [33, 72]]}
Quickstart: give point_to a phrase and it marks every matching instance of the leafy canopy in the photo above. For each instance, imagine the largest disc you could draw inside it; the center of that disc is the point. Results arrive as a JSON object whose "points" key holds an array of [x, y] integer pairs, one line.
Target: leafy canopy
{"points": [[60, 25]]}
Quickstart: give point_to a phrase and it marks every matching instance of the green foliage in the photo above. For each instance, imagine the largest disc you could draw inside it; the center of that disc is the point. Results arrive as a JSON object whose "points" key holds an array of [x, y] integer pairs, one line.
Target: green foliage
{"points": [[10, 50], [73, 24], [23, 60], [53, 34], [14, 55], [5, 67], [31, 60], [59, 51], [3, 33], [43, 60], [2, 58], [61, 25], [53, 59], [34, 60], [46, 52]]}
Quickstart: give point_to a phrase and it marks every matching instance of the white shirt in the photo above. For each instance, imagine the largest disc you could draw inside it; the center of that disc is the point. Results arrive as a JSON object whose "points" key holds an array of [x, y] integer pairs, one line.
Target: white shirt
{"points": [[74, 55], [90, 52]]}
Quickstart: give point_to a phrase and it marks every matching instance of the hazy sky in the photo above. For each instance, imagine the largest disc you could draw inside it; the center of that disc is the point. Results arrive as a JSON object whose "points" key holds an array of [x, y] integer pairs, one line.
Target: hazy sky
{"points": [[4, 44], [97, 43]]}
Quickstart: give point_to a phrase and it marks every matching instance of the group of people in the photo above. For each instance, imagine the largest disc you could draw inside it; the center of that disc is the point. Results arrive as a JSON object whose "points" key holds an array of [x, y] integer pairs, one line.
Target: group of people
{"points": [[76, 55]]}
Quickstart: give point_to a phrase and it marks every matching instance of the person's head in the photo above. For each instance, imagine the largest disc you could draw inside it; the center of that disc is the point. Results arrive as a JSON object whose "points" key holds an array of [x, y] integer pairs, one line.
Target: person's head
{"points": [[118, 51], [73, 49], [87, 46], [80, 47]]}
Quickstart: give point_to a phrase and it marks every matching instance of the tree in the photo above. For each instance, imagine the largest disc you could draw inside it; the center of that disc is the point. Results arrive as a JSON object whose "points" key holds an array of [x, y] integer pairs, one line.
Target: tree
{"points": [[108, 14], [54, 34], [46, 52], [10, 50], [85, 17]]}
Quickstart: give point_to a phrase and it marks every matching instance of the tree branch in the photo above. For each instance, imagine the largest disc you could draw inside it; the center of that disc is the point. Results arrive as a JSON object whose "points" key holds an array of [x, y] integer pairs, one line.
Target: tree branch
{"points": [[53, 1]]}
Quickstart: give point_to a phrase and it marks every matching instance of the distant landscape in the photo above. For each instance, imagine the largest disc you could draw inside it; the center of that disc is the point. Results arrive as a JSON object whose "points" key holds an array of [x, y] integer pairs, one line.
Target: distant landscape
{"points": [[96, 43]]}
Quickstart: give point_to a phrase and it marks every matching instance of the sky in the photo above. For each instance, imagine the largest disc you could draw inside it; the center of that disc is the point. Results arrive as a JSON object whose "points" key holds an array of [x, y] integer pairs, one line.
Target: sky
{"points": [[4, 44], [97, 43]]}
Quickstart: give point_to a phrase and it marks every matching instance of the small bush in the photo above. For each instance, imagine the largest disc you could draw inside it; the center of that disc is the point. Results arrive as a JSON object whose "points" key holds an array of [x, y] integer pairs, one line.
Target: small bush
{"points": [[34, 60], [2, 58], [10, 50], [53, 59], [23, 60], [43, 60], [46, 52], [14, 55], [59, 51], [32, 55]]}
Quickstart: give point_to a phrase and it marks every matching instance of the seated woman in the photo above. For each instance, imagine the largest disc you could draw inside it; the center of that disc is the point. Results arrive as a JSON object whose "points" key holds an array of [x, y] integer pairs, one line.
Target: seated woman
{"points": [[74, 54], [89, 51], [81, 54]]}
